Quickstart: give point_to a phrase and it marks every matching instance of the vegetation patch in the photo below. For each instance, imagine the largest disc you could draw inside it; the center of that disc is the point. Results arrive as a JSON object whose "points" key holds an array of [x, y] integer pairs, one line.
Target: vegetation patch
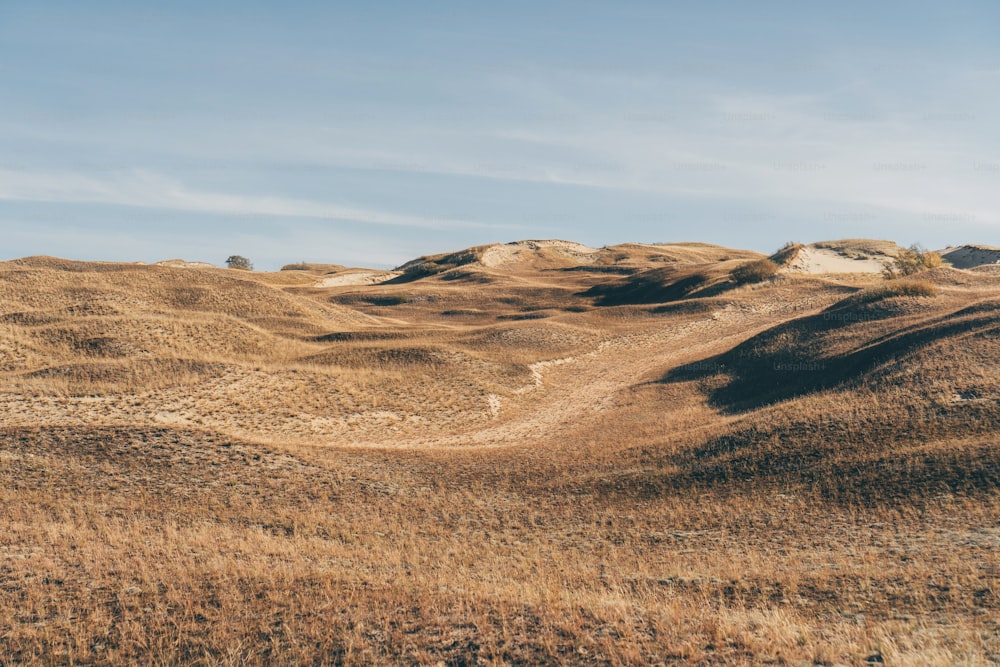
{"points": [[860, 248], [433, 265], [787, 253], [754, 272], [897, 288], [911, 261]]}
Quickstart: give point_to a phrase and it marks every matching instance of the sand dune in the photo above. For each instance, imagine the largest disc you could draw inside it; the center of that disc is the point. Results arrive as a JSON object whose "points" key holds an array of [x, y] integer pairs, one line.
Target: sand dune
{"points": [[510, 253], [819, 261], [969, 256]]}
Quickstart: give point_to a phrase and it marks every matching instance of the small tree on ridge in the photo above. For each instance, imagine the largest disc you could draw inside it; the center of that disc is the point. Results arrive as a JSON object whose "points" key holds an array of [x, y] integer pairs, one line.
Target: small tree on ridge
{"points": [[239, 262]]}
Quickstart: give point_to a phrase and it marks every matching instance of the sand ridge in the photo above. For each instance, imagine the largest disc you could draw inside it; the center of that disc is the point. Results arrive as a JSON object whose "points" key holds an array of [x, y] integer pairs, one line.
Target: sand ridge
{"points": [[820, 261], [970, 256], [510, 253], [357, 278]]}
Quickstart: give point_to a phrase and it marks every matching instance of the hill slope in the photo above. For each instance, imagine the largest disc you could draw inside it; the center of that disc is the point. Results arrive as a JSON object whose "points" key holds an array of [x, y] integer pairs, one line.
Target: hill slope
{"points": [[522, 453], [971, 256]]}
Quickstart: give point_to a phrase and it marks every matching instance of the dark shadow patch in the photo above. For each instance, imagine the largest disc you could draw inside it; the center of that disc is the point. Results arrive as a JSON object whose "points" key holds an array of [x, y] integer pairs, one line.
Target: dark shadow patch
{"points": [[356, 336], [516, 317], [658, 286], [381, 358], [592, 268], [359, 298], [803, 356]]}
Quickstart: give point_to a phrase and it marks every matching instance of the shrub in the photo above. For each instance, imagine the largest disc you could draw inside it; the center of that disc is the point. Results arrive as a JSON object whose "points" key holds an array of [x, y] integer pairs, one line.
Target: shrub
{"points": [[787, 253], [894, 289], [754, 272], [239, 262], [300, 266], [912, 260]]}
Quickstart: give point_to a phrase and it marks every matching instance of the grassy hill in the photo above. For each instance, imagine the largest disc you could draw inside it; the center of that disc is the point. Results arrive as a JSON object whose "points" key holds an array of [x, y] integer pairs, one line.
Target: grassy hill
{"points": [[530, 453]]}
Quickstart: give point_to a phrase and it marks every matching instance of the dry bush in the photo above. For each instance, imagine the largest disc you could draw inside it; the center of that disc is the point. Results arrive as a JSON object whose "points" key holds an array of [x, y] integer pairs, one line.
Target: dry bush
{"points": [[860, 248], [297, 266], [911, 261], [787, 253], [754, 272], [917, 288]]}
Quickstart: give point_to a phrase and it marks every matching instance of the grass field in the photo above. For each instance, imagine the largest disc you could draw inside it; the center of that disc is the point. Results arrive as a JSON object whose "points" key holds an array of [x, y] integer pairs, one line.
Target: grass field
{"points": [[527, 454]]}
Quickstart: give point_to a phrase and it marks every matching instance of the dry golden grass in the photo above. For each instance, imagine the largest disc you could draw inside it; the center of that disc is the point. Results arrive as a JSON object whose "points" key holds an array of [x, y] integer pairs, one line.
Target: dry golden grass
{"points": [[861, 248], [527, 463]]}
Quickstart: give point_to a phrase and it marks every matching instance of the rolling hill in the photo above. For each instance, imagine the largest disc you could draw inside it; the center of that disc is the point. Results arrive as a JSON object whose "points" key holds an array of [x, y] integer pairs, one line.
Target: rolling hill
{"points": [[525, 453]]}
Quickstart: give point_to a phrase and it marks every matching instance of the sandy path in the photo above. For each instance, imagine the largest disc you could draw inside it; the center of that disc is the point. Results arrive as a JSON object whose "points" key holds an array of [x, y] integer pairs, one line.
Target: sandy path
{"points": [[556, 398], [359, 278], [565, 393]]}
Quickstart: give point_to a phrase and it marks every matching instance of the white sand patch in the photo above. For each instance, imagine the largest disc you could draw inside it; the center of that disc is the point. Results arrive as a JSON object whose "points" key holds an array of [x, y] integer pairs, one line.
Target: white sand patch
{"points": [[969, 256], [570, 247], [508, 253], [537, 379], [359, 278], [495, 405], [499, 255], [183, 264], [821, 260]]}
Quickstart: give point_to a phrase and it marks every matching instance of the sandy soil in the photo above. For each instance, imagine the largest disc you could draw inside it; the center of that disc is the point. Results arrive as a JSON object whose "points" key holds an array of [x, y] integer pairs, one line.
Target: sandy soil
{"points": [[184, 264], [819, 260], [564, 394], [359, 278], [500, 255]]}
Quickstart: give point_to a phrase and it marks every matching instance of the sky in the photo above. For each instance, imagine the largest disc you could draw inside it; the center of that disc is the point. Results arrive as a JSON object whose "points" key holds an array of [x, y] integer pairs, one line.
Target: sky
{"points": [[371, 133]]}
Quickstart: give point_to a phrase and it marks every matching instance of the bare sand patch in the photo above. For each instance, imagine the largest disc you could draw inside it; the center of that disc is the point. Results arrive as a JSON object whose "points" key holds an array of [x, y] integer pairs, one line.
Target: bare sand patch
{"points": [[820, 260], [358, 278], [501, 255], [184, 264]]}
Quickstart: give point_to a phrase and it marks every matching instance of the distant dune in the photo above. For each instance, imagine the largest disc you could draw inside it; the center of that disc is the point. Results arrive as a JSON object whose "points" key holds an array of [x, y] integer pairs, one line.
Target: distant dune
{"points": [[184, 264], [969, 256], [356, 277], [847, 256]]}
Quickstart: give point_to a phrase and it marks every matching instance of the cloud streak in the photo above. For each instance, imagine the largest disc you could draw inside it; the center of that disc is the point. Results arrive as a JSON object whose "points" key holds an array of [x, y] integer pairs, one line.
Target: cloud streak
{"points": [[145, 189]]}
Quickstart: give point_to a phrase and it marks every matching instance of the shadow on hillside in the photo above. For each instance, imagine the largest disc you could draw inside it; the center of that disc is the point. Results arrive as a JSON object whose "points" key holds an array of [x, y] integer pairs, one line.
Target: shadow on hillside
{"points": [[811, 354], [657, 286]]}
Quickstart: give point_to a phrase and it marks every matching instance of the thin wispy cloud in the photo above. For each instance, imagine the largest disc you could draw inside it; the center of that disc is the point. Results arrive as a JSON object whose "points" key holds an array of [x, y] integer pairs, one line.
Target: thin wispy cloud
{"points": [[150, 190]]}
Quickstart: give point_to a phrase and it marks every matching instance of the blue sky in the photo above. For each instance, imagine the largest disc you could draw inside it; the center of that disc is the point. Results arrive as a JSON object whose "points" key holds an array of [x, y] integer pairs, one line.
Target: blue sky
{"points": [[371, 133]]}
